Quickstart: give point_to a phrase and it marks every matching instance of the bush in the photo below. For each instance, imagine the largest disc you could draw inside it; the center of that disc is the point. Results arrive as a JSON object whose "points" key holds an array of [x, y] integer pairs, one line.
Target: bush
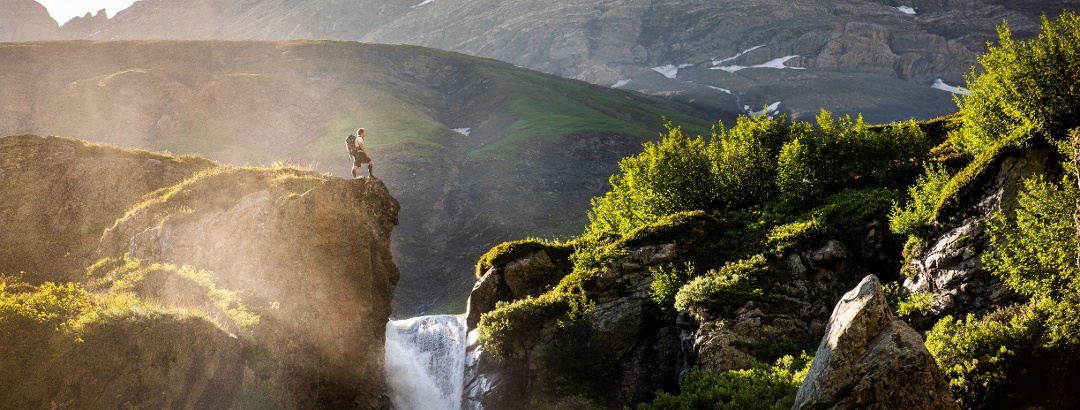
{"points": [[916, 216], [1035, 252], [755, 162], [512, 322], [667, 177], [667, 279], [762, 387], [1026, 89], [979, 356], [743, 160], [733, 284]]}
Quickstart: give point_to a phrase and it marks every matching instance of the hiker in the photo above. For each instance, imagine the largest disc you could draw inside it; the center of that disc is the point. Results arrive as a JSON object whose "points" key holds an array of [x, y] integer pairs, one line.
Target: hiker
{"points": [[358, 152]]}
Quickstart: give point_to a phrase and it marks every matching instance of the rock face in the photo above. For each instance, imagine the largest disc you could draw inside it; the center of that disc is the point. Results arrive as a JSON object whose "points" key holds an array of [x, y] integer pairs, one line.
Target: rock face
{"points": [[849, 56], [869, 359], [951, 268], [143, 360], [648, 349], [305, 255], [23, 20], [320, 261], [628, 344], [59, 194]]}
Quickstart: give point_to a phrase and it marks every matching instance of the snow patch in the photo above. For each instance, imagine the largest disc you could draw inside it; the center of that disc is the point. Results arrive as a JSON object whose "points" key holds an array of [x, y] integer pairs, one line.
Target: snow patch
{"points": [[940, 85], [720, 89], [718, 62], [772, 110], [424, 3], [620, 83], [463, 131], [671, 71], [906, 10], [777, 63]]}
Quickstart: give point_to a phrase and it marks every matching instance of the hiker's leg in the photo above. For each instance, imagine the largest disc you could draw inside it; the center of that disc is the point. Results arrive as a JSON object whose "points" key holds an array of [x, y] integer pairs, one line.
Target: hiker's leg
{"points": [[354, 168], [370, 174]]}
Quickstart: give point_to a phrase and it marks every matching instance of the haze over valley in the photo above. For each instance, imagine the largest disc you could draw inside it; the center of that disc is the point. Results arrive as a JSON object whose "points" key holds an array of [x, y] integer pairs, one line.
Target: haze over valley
{"points": [[581, 204]]}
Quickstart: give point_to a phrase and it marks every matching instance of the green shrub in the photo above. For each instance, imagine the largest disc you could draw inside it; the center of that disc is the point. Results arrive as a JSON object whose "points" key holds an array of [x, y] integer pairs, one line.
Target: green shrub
{"points": [[755, 162], [844, 212], [667, 177], [511, 322], [1034, 253], [1013, 357], [1025, 89], [916, 216], [509, 251], [733, 284], [796, 172], [980, 356], [851, 154], [918, 302], [761, 387], [743, 160], [667, 279]]}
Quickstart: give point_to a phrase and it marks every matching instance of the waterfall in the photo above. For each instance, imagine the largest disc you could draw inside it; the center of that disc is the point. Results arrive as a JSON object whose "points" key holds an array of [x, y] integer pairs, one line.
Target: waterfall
{"points": [[425, 362]]}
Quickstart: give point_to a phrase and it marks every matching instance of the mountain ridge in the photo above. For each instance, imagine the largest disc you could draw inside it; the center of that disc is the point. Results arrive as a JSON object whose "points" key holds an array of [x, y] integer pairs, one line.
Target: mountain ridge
{"points": [[879, 58]]}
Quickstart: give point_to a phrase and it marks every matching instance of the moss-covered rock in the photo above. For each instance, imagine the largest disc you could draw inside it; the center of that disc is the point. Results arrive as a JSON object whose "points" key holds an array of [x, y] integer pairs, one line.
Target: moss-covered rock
{"points": [[294, 263]]}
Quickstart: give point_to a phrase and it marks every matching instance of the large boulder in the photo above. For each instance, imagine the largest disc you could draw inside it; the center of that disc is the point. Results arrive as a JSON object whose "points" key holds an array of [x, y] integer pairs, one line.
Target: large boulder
{"points": [[868, 359]]}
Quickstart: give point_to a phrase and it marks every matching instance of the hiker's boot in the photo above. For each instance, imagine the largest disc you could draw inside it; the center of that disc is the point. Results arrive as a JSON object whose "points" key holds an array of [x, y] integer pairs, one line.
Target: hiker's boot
{"points": [[370, 173], [354, 173]]}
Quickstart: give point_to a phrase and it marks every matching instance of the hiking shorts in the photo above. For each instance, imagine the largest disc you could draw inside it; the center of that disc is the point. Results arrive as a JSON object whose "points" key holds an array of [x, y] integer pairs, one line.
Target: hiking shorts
{"points": [[360, 158]]}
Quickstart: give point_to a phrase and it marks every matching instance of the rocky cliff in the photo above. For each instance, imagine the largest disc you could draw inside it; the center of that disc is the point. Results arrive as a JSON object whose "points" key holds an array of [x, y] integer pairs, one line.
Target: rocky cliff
{"points": [[22, 20], [879, 57], [629, 347], [951, 268], [290, 271]]}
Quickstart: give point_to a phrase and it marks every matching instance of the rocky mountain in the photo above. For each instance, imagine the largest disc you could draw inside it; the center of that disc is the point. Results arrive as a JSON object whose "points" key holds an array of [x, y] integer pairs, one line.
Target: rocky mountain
{"points": [[878, 57], [187, 284], [22, 20], [477, 151]]}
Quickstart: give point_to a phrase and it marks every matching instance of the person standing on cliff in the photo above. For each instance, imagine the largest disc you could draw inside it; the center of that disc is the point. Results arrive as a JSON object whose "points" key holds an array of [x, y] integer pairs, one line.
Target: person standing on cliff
{"points": [[359, 153]]}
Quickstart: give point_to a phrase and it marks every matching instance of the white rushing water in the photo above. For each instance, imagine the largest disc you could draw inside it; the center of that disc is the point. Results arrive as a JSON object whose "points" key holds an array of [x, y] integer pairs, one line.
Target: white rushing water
{"points": [[425, 362]]}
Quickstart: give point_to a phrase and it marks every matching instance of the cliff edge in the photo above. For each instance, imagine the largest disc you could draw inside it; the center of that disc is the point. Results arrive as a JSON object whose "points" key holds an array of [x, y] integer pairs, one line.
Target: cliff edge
{"points": [[293, 266]]}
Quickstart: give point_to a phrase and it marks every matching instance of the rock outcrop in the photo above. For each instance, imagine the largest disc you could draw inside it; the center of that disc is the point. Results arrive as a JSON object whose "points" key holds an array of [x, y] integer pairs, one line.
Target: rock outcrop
{"points": [[59, 195], [304, 259], [312, 254], [137, 360], [24, 20], [646, 348], [868, 359], [951, 267]]}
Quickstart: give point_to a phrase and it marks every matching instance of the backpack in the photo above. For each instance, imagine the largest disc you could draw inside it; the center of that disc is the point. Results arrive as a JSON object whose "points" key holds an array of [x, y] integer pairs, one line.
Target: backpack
{"points": [[351, 141]]}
